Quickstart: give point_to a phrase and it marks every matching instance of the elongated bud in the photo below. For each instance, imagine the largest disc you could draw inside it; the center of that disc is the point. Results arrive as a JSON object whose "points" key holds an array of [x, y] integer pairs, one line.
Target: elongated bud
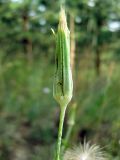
{"points": [[63, 85]]}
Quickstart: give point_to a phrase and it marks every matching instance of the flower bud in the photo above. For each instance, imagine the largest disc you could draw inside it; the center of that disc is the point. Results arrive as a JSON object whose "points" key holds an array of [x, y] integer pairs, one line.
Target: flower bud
{"points": [[63, 84]]}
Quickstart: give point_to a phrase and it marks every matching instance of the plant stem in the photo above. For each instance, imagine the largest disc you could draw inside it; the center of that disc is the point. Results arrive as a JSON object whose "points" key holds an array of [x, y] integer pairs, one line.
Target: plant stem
{"points": [[68, 134], [62, 2], [62, 116], [71, 122]]}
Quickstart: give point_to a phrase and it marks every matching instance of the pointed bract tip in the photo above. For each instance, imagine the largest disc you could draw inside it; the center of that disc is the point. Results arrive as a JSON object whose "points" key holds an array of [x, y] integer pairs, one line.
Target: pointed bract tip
{"points": [[62, 20]]}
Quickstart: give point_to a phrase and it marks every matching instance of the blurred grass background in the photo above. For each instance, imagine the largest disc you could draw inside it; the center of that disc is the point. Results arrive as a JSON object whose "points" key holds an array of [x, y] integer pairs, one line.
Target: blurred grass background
{"points": [[28, 113]]}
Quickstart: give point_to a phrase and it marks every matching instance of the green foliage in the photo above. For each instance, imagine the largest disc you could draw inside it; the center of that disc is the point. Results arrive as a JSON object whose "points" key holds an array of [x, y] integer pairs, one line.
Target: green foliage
{"points": [[23, 107], [28, 113]]}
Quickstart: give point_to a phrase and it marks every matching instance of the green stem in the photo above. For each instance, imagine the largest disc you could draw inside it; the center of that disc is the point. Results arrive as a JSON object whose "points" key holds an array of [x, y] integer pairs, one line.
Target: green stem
{"points": [[62, 2], [68, 134], [62, 116]]}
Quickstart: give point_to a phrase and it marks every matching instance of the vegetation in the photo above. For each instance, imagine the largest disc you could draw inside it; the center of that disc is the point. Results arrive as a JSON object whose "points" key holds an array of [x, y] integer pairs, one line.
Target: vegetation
{"points": [[28, 113]]}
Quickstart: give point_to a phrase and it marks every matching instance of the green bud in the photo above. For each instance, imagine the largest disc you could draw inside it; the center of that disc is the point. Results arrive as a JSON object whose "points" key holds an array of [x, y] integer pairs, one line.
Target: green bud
{"points": [[63, 84]]}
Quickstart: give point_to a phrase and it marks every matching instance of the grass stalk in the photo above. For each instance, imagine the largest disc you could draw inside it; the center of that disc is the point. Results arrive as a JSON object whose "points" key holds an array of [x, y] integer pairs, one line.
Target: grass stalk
{"points": [[63, 84], [60, 131]]}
